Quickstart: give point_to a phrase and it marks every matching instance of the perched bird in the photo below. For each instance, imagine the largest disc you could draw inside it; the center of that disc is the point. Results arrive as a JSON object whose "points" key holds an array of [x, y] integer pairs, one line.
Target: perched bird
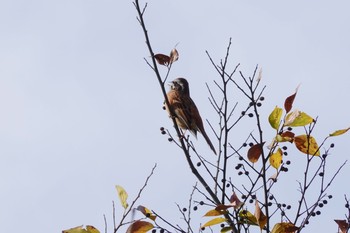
{"points": [[186, 113]]}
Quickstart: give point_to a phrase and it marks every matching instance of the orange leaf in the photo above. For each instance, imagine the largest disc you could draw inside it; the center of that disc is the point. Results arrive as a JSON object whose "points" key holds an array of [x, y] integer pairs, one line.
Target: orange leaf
{"points": [[307, 144], [343, 225], [254, 152], [162, 59], [139, 227]]}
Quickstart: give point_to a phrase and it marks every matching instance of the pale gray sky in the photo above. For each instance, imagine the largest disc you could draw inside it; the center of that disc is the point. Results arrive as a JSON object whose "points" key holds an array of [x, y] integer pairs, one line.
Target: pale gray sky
{"points": [[81, 111]]}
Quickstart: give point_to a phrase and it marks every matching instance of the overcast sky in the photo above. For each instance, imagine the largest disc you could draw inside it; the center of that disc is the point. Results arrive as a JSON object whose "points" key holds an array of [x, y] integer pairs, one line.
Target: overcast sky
{"points": [[81, 110]]}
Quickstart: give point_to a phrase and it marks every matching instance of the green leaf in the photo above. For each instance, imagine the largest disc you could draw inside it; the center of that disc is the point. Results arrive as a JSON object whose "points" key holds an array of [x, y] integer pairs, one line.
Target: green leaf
{"points": [[275, 117], [339, 132], [123, 196], [298, 118]]}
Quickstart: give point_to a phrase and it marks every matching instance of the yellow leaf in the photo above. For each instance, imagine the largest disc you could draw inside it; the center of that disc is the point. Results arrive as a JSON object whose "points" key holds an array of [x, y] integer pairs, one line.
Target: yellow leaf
{"points": [[259, 215], [91, 229], [78, 229], [139, 227], [146, 212], [275, 117], [276, 159], [339, 132], [214, 221], [298, 118], [215, 212], [225, 229], [123, 196], [307, 146], [284, 227], [247, 217]]}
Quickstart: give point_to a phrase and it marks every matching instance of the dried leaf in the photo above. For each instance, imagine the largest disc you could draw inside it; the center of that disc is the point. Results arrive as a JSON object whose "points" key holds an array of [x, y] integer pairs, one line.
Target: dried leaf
{"points": [[259, 215], [123, 196], [139, 227], [214, 221], [307, 144], [287, 136], [174, 56], [339, 132], [298, 118], [275, 117], [343, 225], [162, 59], [254, 152], [235, 202], [146, 212], [276, 158], [284, 227]]}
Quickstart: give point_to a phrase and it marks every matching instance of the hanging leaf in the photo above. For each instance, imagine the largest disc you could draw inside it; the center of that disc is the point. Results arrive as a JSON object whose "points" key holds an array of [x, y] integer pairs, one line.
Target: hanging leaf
{"points": [[284, 227], [254, 152], [307, 146], [276, 158], [247, 218], [260, 216], [339, 132], [275, 117], [259, 75], [174, 56], [215, 212], [343, 225], [92, 229], [162, 59], [235, 202], [146, 212], [298, 118], [287, 136], [214, 221], [139, 227], [123, 196]]}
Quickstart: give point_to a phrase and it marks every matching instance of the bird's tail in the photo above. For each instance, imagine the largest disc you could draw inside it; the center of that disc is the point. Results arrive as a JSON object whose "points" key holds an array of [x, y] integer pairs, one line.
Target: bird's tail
{"points": [[209, 142]]}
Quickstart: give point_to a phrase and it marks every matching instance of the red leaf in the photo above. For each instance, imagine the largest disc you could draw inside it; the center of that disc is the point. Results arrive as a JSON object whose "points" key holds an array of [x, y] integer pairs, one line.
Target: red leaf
{"points": [[162, 59], [288, 103], [343, 225], [254, 152]]}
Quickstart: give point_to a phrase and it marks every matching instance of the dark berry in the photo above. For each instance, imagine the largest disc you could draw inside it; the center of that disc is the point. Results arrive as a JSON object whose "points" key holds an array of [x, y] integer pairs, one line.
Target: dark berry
{"points": [[325, 202], [163, 132], [251, 104], [320, 205], [170, 139], [258, 104], [284, 148], [313, 214], [285, 153], [240, 158], [283, 213], [347, 205], [201, 202], [332, 145], [289, 128], [250, 114], [262, 98], [288, 207], [284, 205], [244, 196], [324, 156], [222, 225], [246, 173], [199, 164], [251, 201], [330, 196], [227, 185], [288, 162], [271, 197], [184, 209], [318, 212], [269, 204], [243, 113], [240, 173], [244, 144], [195, 208], [251, 144], [321, 174]]}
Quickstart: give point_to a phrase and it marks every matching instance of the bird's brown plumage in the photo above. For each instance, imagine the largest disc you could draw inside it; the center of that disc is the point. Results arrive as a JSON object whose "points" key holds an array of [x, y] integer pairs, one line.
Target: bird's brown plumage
{"points": [[186, 113]]}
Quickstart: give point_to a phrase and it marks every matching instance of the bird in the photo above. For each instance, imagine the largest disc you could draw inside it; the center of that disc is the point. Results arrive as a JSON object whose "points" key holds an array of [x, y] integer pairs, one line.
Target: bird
{"points": [[186, 112]]}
